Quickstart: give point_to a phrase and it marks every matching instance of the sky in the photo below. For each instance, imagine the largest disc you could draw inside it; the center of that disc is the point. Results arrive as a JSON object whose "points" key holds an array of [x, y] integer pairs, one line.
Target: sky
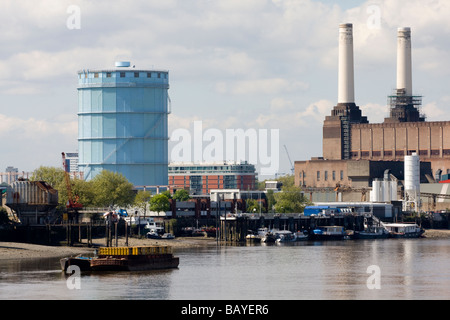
{"points": [[252, 65]]}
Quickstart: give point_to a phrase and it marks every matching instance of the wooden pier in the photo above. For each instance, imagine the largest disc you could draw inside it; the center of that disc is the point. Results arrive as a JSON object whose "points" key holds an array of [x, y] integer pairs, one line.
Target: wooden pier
{"points": [[235, 228]]}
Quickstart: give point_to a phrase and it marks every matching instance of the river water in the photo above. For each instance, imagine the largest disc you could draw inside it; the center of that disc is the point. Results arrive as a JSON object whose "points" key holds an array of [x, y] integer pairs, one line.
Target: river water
{"points": [[393, 269]]}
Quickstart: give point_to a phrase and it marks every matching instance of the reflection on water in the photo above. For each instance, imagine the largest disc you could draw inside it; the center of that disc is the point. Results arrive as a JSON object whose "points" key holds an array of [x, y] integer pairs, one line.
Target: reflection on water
{"points": [[410, 269]]}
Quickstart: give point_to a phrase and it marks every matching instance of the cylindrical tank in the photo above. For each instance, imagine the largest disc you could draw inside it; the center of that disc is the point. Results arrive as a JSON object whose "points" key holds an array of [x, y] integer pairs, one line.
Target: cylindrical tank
{"points": [[412, 173], [375, 194], [346, 89], [123, 123], [394, 186]]}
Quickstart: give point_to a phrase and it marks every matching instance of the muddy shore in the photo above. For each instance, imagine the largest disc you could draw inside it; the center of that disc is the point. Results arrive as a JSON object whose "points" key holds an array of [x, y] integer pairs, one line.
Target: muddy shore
{"points": [[15, 250]]}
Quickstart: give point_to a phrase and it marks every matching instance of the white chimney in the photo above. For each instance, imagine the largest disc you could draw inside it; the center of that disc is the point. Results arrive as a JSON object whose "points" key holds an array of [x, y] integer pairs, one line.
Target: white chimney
{"points": [[346, 85], [404, 73]]}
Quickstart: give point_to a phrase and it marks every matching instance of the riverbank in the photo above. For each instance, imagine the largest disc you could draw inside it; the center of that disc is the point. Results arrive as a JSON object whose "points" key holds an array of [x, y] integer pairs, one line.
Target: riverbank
{"points": [[16, 250], [437, 233]]}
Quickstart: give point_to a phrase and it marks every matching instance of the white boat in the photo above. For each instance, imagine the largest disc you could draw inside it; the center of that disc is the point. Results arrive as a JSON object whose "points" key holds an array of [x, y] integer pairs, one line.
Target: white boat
{"points": [[404, 230], [154, 226], [285, 236], [167, 236]]}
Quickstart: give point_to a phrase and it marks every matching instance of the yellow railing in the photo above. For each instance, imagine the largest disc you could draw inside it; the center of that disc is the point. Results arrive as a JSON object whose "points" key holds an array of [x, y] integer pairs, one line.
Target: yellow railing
{"points": [[135, 251]]}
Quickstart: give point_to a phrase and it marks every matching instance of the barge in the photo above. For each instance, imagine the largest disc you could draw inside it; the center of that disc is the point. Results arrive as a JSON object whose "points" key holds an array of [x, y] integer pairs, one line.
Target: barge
{"points": [[125, 259]]}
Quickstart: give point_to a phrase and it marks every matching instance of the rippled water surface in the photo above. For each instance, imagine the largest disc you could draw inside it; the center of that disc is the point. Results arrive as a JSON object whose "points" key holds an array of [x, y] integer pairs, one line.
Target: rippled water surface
{"points": [[408, 269]]}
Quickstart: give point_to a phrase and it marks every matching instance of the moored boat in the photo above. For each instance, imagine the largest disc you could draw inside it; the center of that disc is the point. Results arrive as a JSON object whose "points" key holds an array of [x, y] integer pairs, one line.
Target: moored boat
{"points": [[285, 236], [329, 233], [269, 237], [84, 263], [301, 236], [374, 232], [404, 230], [125, 259]]}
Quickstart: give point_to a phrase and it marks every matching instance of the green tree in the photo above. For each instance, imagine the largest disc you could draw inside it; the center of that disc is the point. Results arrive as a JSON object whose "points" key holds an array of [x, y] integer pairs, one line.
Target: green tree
{"points": [[112, 189], [253, 206], [181, 195], [159, 203], [270, 200], [52, 175], [142, 200], [290, 200], [56, 178]]}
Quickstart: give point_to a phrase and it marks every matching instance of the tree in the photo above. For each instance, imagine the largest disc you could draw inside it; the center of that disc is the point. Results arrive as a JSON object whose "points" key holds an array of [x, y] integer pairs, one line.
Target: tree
{"points": [[253, 206], [159, 203], [52, 175], [142, 200], [55, 177], [112, 189], [181, 195], [290, 200]]}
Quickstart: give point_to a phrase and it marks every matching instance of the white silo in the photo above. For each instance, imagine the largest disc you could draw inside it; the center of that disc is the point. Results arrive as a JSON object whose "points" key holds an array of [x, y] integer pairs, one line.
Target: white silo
{"points": [[376, 191], [412, 183]]}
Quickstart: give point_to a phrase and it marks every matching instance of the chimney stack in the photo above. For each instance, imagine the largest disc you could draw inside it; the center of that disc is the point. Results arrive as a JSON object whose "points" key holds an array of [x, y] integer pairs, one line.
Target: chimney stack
{"points": [[404, 73], [346, 86]]}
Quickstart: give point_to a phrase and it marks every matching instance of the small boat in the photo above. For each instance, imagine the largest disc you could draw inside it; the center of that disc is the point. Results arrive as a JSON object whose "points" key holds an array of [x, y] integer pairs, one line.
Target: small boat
{"points": [[404, 230], [285, 236], [84, 263], [373, 232], [269, 237], [252, 237], [167, 236], [153, 235], [301, 236], [329, 233]]}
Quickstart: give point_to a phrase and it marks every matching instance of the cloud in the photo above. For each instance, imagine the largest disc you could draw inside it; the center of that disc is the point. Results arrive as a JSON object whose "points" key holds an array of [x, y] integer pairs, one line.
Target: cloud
{"points": [[233, 64], [262, 86]]}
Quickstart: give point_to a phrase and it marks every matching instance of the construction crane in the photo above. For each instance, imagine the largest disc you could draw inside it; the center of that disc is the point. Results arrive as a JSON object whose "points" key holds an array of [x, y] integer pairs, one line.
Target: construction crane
{"points": [[72, 202], [292, 166]]}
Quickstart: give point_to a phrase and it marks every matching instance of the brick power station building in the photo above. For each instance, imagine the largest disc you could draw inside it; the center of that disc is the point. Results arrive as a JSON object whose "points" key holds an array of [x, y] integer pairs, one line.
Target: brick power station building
{"points": [[355, 151]]}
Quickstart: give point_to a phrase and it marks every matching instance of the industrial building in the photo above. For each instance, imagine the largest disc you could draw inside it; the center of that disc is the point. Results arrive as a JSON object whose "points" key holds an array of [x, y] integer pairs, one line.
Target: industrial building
{"points": [[203, 177], [123, 123], [356, 152]]}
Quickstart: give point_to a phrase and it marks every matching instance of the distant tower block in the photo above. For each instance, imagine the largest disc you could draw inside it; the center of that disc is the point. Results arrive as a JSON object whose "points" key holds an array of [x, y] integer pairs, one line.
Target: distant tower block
{"points": [[123, 123], [336, 128], [404, 106]]}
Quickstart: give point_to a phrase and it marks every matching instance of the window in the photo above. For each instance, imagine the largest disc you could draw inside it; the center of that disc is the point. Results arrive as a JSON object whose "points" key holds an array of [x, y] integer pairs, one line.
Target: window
{"points": [[318, 175], [388, 153], [108, 74], [149, 74], [136, 74], [122, 74], [159, 75], [399, 153], [342, 174], [325, 176], [334, 175], [435, 152], [376, 153], [96, 75]]}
